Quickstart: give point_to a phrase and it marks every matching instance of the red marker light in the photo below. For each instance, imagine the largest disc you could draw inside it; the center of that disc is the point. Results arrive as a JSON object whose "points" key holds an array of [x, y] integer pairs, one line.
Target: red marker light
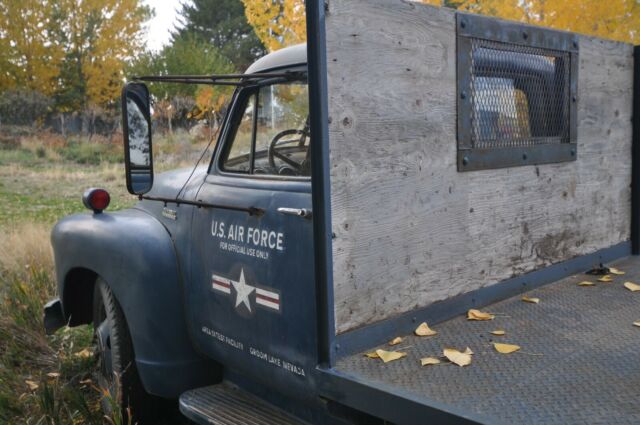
{"points": [[96, 199]]}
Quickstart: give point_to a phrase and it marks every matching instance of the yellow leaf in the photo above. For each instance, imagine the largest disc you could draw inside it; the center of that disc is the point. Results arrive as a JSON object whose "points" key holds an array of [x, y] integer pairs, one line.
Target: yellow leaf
{"points": [[633, 287], [395, 341], [455, 356], [31, 384], [637, 323], [425, 330], [479, 315], [531, 300], [505, 348], [468, 351], [586, 283], [372, 355], [615, 271], [498, 332], [53, 374], [84, 354], [605, 278], [389, 356], [426, 361]]}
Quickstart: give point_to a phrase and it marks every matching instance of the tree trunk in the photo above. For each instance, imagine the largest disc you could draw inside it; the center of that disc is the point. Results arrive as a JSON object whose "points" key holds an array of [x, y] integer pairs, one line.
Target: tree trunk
{"points": [[62, 129]]}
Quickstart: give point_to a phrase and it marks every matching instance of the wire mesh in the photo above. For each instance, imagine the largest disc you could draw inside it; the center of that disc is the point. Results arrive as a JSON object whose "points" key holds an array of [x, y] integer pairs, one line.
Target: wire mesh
{"points": [[520, 95]]}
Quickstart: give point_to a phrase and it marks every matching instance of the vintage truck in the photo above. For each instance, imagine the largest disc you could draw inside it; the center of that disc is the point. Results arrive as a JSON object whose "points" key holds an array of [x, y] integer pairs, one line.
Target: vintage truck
{"points": [[406, 165]]}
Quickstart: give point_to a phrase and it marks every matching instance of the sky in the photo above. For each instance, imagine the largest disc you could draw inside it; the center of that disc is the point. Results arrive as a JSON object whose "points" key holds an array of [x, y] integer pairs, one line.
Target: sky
{"points": [[158, 28]]}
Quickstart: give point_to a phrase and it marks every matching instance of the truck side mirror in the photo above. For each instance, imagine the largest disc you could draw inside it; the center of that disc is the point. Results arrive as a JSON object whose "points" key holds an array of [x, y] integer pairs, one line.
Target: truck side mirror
{"points": [[136, 123]]}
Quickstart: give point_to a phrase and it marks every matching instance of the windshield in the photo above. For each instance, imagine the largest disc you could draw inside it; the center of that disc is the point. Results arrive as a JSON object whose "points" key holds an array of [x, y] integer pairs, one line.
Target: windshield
{"points": [[273, 137]]}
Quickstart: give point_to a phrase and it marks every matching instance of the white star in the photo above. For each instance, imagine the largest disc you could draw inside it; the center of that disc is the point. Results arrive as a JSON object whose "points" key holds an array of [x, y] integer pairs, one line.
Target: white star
{"points": [[242, 291]]}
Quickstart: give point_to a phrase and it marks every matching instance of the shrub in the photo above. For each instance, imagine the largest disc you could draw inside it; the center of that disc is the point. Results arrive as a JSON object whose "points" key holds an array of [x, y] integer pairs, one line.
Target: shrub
{"points": [[23, 107], [90, 153]]}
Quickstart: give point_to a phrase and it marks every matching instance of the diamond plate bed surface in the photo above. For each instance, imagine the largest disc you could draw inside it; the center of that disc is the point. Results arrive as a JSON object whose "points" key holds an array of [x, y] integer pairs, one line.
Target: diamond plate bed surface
{"points": [[579, 362]]}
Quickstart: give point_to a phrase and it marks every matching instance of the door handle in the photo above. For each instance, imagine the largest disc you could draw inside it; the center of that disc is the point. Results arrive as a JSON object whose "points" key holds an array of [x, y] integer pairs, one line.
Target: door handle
{"points": [[298, 212]]}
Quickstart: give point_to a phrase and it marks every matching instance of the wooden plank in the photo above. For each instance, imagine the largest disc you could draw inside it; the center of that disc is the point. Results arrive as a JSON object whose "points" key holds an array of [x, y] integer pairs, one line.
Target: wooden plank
{"points": [[409, 229]]}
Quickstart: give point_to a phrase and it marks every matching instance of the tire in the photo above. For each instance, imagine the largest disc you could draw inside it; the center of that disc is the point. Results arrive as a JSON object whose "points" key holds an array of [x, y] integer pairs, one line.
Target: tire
{"points": [[117, 372]]}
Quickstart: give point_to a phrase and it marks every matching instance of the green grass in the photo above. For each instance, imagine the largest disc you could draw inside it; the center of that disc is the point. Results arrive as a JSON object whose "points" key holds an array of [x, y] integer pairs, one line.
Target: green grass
{"points": [[47, 380], [90, 153]]}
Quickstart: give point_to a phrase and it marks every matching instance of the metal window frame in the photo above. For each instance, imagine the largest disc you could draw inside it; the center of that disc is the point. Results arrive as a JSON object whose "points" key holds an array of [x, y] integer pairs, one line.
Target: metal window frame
{"points": [[473, 26]]}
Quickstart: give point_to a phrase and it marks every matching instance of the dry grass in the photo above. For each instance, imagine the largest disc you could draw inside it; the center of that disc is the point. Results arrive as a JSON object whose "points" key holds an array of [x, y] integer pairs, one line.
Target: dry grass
{"points": [[42, 177], [26, 245]]}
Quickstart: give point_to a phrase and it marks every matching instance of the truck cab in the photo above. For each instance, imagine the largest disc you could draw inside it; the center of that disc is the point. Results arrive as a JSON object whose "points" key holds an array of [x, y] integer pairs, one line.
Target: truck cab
{"points": [[214, 265]]}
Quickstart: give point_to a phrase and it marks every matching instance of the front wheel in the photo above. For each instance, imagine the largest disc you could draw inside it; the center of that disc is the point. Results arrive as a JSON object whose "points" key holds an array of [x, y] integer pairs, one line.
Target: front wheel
{"points": [[124, 396]]}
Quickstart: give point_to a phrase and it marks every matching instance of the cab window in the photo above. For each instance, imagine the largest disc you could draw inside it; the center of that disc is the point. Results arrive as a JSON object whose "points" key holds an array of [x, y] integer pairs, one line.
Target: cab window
{"points": [[240, 152], [272, 138]]}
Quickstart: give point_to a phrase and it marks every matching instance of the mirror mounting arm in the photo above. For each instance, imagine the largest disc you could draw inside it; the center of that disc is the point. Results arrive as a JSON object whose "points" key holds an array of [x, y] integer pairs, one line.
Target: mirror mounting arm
{"points": [[254, 211]]}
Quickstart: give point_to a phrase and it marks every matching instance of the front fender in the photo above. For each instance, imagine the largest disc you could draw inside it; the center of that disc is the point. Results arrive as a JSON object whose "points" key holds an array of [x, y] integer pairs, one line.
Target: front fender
{"points": [[134, 253]]}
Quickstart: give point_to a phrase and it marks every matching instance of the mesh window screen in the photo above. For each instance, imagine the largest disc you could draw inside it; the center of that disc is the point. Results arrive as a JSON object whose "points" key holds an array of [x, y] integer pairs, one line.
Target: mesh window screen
{"points": [[517, 88], [519, 95]]}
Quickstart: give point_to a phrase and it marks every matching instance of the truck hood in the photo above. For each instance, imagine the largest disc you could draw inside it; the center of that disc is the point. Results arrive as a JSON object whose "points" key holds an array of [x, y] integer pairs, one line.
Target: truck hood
{"points": [[169, 183]]}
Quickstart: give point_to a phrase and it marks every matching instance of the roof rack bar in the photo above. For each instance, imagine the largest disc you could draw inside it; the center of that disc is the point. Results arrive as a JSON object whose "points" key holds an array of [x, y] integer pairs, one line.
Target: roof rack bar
{"points": [[220, 79]]}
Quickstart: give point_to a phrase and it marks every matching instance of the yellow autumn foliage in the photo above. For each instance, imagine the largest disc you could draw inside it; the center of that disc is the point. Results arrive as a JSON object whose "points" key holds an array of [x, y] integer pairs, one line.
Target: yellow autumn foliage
{"points": [[28, 57], [281, 23], [614, 19], [116, 36], [93, 38], [277, 23]]}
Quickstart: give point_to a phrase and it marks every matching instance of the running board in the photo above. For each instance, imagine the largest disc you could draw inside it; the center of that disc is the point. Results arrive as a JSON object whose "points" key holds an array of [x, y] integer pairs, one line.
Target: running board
{"points": [[225, 404]]}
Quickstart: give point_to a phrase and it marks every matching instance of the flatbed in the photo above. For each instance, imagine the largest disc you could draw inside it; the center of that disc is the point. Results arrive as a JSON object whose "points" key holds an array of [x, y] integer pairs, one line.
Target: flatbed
{"points": [[577, 363]]}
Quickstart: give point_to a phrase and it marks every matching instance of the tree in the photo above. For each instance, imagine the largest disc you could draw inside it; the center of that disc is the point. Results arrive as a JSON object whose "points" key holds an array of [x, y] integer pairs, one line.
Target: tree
{"points": [[187, 55], [23, 106], [29, 58], [614, 19], [71, 49], [278, 23], [281, 23], [98, 37], [223, 24]]}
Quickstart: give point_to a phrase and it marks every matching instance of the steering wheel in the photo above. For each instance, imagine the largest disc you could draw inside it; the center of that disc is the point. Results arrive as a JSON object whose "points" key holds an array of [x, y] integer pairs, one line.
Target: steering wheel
{"points": [[273, 152]]}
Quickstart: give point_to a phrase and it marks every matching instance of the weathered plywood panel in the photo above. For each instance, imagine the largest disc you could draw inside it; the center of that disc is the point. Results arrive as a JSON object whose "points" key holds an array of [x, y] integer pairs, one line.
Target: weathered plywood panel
{"points": [[409, 229]]}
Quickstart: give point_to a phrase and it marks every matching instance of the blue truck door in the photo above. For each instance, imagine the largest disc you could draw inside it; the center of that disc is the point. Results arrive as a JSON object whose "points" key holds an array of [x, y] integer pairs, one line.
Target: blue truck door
{"points": [[251, 299]]}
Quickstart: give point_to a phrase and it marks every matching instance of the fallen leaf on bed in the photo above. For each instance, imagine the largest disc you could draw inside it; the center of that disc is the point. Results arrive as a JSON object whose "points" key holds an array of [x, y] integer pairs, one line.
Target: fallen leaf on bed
{"points": [[468, 351], [606, 278], [613, 270], [84, 354], [586, 283], [455, 356], [637, 323], [372, 355], [498, 332], [531, 300], [426, 361], [505, 348], [474, 314], [425, 330], [32, 385], [633, 287], [395, 341], [389, 356]]}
